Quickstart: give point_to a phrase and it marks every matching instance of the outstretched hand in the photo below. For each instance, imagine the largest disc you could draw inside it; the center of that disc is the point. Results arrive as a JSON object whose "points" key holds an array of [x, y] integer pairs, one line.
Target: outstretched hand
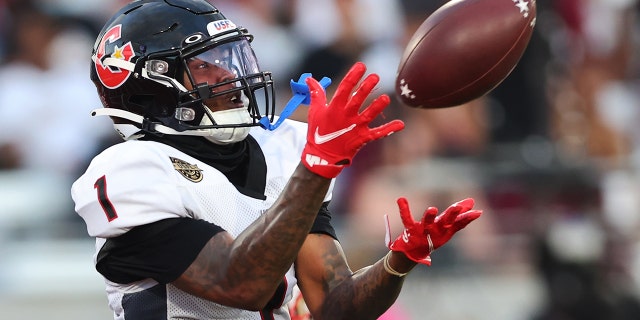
{"points": [[336, 131], [420, 238]]}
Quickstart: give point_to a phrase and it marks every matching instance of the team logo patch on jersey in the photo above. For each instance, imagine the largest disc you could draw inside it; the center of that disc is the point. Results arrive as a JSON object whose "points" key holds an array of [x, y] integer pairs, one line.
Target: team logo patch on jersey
{"points": [[190, 171]]}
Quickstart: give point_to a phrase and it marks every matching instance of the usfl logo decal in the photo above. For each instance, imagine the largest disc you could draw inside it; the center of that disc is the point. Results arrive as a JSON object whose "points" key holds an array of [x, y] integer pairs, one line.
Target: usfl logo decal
{"points": [[113, 77]]}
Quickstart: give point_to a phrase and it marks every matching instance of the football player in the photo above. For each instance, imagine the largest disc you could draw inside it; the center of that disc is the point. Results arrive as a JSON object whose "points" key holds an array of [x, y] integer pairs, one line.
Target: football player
{"points": [[213, 207]]}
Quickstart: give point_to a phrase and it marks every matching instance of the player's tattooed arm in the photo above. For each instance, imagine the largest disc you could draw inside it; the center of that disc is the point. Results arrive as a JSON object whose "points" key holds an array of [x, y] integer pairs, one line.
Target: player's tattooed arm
{"points": [[246, 271], [332, 291]]}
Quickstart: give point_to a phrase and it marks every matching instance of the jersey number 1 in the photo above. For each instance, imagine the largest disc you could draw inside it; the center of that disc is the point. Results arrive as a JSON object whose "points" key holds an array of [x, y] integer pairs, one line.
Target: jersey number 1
{"points": [[107, 206]]}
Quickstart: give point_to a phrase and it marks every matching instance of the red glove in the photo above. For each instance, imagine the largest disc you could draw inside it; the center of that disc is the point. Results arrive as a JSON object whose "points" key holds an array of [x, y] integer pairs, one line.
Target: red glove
{"points": [[420, 238], [338, 130]]}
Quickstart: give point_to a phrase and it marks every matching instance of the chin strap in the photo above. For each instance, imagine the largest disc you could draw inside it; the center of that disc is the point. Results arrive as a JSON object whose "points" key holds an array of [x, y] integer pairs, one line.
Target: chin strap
{"points": [[300, 96], [146, 124]]}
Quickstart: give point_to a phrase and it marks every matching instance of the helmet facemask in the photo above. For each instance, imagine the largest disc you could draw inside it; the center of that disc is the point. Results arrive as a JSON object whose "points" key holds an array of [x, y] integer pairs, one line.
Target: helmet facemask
{"points": [[221, 88]]}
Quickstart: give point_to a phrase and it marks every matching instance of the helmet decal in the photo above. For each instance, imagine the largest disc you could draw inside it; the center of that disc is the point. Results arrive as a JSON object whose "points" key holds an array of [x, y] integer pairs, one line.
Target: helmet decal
{"points": [[220, 26], [112, 77]]}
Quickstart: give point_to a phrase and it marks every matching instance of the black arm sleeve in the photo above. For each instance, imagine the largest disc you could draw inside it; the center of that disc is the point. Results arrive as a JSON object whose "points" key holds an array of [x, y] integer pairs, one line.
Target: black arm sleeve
{"points": [[162, 250], [322, 224]]}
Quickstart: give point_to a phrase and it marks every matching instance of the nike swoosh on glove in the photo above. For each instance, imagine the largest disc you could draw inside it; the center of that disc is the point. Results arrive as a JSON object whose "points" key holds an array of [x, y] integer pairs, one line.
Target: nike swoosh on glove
{"points": [[336, 131], [420, 238]]}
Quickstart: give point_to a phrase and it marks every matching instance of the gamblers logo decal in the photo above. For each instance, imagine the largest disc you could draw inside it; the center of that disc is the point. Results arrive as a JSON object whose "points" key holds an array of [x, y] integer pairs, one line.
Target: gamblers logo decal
{"points": [[113, 77]]}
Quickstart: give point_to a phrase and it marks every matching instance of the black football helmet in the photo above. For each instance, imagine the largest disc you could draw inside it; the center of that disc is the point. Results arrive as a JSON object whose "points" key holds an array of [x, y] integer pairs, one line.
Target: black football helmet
{"points": [[158, 64]]}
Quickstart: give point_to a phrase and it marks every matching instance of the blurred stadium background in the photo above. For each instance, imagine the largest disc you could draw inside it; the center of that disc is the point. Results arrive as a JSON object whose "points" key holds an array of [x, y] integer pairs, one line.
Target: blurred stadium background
{"points": [[552, 156]]}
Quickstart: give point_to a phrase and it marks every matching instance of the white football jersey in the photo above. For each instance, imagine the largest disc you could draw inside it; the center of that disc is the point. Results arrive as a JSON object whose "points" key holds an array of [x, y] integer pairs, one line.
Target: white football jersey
{"points": [[140, 182]]}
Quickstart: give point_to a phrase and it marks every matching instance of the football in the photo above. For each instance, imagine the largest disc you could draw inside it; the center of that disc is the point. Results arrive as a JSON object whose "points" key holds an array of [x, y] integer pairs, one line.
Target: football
{"points": [[463, 50]]}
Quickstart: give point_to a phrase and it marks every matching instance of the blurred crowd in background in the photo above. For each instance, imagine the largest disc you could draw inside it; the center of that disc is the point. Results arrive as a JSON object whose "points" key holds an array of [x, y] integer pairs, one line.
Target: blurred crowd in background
{"points": [[552, 155]]}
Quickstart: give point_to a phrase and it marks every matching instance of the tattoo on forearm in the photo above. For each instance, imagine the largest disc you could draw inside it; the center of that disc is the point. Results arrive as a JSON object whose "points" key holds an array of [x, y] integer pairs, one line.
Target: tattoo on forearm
{"points": [[365, 294]]}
